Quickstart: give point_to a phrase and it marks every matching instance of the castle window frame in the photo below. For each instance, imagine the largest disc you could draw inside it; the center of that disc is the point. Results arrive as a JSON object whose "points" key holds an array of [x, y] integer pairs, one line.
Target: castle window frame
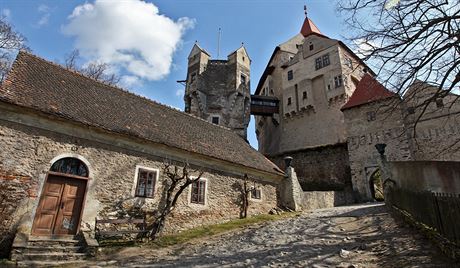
{"points": [[304, 95], [326, 60], [243, 79], [318, 63], [349, 62], [338, 81], [289, 101], [371, 116], [311, 46], [199, 192], [255, 194], [145, 182], [290, 75], [215, 119]]}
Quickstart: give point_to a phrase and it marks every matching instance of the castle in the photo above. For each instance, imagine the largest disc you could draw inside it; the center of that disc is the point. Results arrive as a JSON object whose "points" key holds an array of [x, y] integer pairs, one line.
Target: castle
{"points": [[325, 109]]}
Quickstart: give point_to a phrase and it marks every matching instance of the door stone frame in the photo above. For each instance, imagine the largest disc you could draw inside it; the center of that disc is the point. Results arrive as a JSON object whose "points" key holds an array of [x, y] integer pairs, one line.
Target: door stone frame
{"points": [[43, 177]]}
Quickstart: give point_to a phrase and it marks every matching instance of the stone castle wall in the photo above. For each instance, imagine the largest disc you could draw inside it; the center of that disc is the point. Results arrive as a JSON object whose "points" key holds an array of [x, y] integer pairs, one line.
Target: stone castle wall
{"points": [[363, 134], [320, 169], [27, 153]]}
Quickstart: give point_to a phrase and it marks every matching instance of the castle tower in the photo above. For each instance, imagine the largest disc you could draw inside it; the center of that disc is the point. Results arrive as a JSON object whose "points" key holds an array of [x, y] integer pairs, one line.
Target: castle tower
{"points": [[219, 90]]}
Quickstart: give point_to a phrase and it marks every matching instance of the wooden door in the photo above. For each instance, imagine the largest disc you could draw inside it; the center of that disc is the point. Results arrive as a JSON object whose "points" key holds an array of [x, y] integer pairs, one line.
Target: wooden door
{"points": [[60, 206]]}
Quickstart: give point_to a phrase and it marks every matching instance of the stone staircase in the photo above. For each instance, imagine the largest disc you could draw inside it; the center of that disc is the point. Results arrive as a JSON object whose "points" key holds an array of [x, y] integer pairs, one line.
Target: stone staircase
{"points": [[49, 252]]}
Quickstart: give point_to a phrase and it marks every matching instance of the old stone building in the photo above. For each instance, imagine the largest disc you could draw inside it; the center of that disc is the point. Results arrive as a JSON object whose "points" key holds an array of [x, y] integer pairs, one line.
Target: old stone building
{"points": [[218, 90], [313, 76], [375, 115], [74, 149]]}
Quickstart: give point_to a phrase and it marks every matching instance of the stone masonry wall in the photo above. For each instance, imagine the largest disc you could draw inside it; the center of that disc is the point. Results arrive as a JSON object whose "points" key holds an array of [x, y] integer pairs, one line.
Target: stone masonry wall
{"points": [[320, 169], [363, 134], [15, 189], [29, 151]]}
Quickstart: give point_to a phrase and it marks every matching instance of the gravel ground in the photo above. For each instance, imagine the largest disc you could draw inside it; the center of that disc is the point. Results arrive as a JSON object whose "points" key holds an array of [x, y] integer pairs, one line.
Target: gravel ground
{"points": [[351, 236]]}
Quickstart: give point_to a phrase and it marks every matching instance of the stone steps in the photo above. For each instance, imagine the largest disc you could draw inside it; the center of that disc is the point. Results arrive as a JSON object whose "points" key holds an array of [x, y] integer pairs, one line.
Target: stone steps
{"points": [[46, 251], [49, 263], [64, 256]]}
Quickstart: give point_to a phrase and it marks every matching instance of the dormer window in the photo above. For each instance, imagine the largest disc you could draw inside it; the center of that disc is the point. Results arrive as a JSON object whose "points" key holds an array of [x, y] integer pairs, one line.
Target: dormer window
{"points": [[311, 46]]}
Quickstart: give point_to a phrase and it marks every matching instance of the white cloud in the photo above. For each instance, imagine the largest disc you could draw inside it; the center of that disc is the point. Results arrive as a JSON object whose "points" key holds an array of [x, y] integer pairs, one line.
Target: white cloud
{"points": [[46, 13], [130, 34], [130, 81], [5, 13], [179, 92]]}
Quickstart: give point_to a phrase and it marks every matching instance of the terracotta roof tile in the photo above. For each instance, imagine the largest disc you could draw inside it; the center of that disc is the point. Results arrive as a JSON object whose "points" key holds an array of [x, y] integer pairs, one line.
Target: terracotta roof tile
{"points": [[368, 90], [309, 28], [48, 87]]}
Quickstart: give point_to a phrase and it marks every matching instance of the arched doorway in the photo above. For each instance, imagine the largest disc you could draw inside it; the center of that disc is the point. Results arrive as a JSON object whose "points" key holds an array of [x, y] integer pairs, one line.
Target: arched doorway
{"points": [[376, 186], [61, 202]]}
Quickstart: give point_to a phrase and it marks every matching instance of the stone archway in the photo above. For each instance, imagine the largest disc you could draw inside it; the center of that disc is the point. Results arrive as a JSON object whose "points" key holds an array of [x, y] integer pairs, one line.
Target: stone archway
{"points": [[61, 201]]}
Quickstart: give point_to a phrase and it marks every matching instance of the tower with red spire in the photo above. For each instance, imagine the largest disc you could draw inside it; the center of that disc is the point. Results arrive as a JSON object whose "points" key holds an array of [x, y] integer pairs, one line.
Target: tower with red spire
{"points": [[312, 75]]}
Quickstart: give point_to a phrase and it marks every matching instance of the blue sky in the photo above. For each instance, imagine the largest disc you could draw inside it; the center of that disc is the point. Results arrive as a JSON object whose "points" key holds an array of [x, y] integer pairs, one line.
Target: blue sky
{"points": [[53, 32]]}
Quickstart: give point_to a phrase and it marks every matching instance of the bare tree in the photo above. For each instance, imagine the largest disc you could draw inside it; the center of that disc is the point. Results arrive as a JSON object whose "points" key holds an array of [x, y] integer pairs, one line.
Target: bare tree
{"points": [[408, 40], [178, 179], [11, 42], [95, 70]]}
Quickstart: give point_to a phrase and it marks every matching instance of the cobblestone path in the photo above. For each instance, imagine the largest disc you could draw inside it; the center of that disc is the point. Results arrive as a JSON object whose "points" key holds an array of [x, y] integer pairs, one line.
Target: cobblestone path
{"points": [[351, 236]]}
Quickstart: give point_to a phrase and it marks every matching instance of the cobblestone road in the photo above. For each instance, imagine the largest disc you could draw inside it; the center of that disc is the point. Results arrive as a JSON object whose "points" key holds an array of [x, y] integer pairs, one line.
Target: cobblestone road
{"points": [[352, 236]]}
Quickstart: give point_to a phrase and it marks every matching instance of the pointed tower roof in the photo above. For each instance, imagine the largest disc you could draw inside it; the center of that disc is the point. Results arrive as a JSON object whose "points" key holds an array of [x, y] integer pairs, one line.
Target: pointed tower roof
{"points": [[368, 90], [309, 28]]}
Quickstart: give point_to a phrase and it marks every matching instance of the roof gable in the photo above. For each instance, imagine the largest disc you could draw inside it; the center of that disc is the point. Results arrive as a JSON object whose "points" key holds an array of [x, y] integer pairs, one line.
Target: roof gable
{"points": [[368, 90], [47, 87], [196, 49]]}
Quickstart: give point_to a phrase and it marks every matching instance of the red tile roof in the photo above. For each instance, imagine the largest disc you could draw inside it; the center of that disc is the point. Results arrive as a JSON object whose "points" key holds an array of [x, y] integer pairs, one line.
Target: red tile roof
{"points": [[47, 87], [368, 90], [309, 28]]}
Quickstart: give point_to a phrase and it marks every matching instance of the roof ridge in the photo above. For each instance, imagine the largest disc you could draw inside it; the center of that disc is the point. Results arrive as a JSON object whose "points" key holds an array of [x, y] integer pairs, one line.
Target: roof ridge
{"points": [[125, 91]]}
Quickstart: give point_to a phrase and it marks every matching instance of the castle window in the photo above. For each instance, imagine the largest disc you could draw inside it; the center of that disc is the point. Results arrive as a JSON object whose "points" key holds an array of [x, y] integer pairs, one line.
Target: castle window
{"points": [[215, 120], [256, 193], [146, 180], [243, 79], [371, 116], [304, 95], [439, 103], [328, 87], [290, 75], [289, 101], [243, 58], [326, 61], [338, 81], [198, 194], [318, 63], [192, 78], [311, 46], [349, 62]]}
